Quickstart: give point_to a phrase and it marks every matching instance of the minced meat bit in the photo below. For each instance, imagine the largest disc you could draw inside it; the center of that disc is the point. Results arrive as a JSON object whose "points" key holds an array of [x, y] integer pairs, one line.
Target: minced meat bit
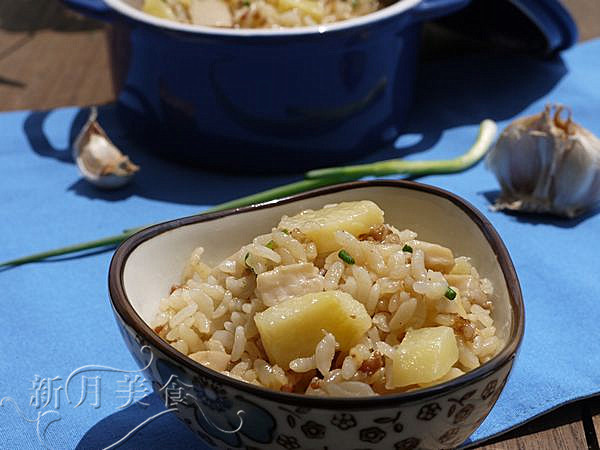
{"points": [[162, 331], [338, 358], [174, 287], [299, 236], [376, 234], [463, 327], [372, 364]]}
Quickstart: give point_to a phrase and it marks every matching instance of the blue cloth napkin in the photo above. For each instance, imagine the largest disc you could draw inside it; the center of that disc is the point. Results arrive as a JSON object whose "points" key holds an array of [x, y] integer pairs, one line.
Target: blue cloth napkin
{"points": [[56, 316]]}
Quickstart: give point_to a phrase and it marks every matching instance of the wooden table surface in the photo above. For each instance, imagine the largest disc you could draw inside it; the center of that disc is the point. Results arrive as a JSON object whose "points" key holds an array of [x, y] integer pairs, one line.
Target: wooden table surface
{"points": [[51, 57]]}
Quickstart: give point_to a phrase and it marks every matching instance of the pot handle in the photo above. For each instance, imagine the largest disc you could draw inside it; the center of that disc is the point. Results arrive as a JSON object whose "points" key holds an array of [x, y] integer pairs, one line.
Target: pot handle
{"points": [[96, 9], [432, 9]]}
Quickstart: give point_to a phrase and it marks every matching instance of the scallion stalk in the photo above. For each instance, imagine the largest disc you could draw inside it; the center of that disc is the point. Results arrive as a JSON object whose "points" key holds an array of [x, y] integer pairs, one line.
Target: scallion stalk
{"points": [[345, 256], [111, 241], [450, 294], [487, 132], [314, 179]]}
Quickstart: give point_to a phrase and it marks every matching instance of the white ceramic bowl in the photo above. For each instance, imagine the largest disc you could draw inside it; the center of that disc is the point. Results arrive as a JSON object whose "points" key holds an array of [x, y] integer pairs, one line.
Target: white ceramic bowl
{"points": [[147, 264]]}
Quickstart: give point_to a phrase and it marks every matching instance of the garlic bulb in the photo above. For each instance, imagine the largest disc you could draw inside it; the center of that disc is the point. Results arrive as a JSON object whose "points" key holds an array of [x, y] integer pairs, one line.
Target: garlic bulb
{"points": [[545, 164], [99, 160]]}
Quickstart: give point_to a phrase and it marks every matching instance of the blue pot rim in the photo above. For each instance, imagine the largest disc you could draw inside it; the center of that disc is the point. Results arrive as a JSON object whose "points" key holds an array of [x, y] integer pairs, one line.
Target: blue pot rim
{"points": [[125, 311]]}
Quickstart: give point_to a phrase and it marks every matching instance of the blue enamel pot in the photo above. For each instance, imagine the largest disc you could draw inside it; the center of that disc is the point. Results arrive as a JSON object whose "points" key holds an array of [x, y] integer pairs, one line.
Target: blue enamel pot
{"points": [[264, 100]]}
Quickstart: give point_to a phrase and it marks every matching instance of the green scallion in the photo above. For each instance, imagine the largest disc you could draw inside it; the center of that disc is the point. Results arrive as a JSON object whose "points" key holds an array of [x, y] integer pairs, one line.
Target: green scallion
{"points": [[345, 256], [286, 231], [450, 294], [314, 179], [271, 245], [248, 266], [407, 248]]}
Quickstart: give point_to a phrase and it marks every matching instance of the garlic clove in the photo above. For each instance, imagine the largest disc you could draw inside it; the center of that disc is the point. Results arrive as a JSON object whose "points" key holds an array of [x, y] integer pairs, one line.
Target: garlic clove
{"points": [[98, 159], [577, 179], [545, 164], [514, 169]]}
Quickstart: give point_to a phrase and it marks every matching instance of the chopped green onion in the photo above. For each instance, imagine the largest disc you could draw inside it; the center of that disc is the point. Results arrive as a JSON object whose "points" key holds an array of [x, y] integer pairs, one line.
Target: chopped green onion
{"points": [[248, 265], [271, 245], [345, 256], [286, 231], [246, 3], [407, 248], [450, 294]]}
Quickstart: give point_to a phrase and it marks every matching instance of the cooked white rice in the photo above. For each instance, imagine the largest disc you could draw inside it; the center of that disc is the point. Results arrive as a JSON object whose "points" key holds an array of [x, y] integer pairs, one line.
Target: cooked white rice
{"points": [[210, 315], [260, 13]]}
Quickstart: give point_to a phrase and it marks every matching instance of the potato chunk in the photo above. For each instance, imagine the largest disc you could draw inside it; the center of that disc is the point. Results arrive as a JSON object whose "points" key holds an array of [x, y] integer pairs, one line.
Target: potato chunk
{"points": [[291, 329], [424, 355], [311, 7], [320, 226], [158, 8], [212, 13]]}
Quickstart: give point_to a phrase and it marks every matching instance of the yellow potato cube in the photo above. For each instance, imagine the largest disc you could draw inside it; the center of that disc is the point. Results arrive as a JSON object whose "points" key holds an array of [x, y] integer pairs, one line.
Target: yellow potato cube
{"points": [[424, 355], [158, 8], [320, 226], [451, 375], [462, 266], [311, 7], [292, 329]]}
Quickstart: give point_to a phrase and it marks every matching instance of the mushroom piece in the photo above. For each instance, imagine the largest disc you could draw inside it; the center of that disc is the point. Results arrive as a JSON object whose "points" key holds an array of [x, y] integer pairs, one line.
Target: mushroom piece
{"points": [[99, 160], [284, 282], [212, 13]]}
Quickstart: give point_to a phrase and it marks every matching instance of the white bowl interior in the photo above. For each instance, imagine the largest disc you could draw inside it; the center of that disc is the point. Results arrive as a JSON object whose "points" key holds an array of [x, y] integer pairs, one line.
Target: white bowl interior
{"points": [[155, 265]]}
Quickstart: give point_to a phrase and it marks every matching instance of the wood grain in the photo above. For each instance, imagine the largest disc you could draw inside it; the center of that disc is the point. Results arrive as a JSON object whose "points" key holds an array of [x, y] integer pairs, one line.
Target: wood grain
{"points": [[559, 429], [587, 17], [592, 423], [50, 57], [569, 436]]}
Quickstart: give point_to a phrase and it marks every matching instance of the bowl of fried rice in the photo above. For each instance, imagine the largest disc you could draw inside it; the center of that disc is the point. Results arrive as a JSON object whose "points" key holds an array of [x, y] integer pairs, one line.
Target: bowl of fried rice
{"points": [[380, 314], [264, 85]]}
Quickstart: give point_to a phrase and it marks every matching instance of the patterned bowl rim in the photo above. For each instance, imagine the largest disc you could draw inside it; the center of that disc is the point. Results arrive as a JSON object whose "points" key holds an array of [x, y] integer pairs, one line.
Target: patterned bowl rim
{"points": [[129, 316]]}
